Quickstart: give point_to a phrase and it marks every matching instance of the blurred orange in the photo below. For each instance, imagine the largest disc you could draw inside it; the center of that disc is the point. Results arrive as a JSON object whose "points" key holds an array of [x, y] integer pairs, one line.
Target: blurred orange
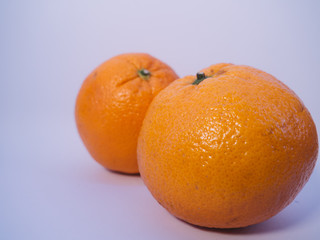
{"points": [[111, 105]]}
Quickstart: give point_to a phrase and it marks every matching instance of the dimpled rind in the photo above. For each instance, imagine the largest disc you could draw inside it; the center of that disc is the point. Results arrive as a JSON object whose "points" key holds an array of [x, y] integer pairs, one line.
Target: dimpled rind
{"points": [[230, 152]]}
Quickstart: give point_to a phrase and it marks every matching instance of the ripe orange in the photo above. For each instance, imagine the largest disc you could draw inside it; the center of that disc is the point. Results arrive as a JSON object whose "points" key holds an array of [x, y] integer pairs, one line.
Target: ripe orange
{"points": [[227, 149], [111, 105]]}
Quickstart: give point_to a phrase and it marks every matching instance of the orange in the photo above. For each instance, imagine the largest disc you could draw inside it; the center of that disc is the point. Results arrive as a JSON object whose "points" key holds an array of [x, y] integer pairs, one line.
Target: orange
{"points": [[112, 103], [228, 148]]}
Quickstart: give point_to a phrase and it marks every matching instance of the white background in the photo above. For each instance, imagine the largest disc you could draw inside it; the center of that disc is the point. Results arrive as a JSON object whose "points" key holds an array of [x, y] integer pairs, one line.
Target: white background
{"points": [[50, 187]]}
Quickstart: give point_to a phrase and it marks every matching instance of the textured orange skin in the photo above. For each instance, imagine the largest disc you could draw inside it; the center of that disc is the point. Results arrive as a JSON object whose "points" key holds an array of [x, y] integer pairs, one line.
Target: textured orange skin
{"points": [[230, 152], [112, 103]]}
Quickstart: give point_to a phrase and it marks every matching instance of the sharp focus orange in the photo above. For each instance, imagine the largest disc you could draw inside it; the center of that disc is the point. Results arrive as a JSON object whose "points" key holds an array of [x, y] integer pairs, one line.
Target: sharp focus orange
{"points": [[111, 105], [229, 148]]}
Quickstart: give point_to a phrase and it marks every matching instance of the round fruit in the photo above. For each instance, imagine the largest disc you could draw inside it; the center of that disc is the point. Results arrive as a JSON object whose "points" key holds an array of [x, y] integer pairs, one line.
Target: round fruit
{"points": [[112, 103], [228, 148]]}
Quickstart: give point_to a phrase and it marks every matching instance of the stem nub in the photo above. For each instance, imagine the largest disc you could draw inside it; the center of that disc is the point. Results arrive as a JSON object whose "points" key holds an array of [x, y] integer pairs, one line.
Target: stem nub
{"points": [[200, 77], [144, 74]]}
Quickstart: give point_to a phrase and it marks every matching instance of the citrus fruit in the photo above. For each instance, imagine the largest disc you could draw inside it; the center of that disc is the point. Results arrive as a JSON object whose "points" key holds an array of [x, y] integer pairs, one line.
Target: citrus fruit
{"points": [[111, 105], [227, 148]]}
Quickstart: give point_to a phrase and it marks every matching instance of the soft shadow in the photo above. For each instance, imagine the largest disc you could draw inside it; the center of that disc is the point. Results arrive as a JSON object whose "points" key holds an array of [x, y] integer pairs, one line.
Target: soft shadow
{"points": [[100, 175], [122, 173], [295, 214]]}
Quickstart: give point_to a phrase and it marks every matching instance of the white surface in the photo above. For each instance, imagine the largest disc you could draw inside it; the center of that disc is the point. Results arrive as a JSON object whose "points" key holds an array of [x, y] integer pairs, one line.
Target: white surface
{"points": [[50, 188]]}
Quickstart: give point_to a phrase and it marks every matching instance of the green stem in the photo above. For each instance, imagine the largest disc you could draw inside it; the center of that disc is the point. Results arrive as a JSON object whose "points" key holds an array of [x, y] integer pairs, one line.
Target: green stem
{"points": [[200, 77], [144, 74]]}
